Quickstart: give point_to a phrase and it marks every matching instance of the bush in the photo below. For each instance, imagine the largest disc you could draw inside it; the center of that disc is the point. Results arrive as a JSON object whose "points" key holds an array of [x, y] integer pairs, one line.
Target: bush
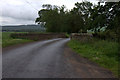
{"points": [[106, 35]]}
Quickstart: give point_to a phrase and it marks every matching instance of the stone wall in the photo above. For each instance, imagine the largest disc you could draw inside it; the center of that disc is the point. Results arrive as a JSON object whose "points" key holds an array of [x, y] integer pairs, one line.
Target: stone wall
{"points": [[81, 36], [38, 36]]}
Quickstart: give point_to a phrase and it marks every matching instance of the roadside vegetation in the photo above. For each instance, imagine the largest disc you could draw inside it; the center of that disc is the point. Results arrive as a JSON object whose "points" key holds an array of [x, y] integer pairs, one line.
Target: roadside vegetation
{"points": [[103, 52], [7, 40]]}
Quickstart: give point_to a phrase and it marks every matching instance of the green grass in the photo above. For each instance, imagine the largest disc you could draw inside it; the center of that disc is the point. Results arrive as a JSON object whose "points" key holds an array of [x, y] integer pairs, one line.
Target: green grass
{"points": [[7, 40], [67, 35], [103, 52]]}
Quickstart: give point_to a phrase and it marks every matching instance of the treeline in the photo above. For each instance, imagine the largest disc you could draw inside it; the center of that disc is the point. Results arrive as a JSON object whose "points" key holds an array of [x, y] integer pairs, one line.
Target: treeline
{"points": [[84, 16]]}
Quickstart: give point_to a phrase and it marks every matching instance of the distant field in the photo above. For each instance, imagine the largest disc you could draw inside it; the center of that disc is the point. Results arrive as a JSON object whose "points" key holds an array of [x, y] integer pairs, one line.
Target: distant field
{"points": [[103, 52], [7, 40], [23, 28]]}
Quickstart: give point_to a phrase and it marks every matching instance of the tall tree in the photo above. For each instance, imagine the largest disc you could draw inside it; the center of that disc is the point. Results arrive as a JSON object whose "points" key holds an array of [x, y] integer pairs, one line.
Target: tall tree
{"points": [[84, 9]]}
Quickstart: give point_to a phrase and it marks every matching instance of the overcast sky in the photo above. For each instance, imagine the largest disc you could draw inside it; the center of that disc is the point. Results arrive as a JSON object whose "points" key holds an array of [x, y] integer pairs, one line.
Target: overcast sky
{"points": [[16, 12]]}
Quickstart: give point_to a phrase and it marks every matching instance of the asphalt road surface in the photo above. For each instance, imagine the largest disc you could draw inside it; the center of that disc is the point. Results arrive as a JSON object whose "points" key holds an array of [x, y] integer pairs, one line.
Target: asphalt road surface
{"points": [[48, 59]]}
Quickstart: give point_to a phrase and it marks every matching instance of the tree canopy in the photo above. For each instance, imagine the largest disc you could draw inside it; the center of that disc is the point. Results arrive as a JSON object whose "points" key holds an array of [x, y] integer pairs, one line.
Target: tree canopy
{"points": [[84, 16]]}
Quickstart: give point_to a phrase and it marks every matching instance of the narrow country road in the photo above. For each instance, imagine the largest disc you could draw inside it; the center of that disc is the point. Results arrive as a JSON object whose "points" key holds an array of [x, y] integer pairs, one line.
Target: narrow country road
{"points": [[48, 59]]}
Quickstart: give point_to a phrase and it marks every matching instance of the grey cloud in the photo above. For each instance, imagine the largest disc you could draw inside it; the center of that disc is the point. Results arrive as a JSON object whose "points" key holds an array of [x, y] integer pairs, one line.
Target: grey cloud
{"points": [[12, 21], [19, 13], [26, 11]]}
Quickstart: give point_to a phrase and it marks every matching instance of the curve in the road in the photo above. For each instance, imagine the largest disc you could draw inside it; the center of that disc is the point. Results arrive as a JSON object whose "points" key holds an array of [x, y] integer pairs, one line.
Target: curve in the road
{"points": [[48, 59]]}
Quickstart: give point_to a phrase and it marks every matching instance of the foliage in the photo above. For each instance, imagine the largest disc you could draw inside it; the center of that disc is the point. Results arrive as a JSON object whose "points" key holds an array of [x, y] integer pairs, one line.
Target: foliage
{"points": [[107, 15], [57, 19], [83, 9]]}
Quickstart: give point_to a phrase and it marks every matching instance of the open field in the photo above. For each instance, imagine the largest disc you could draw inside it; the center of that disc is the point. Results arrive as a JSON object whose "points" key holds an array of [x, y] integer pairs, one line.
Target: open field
{"points": [[12, 38], [7, 40], [103, 52]]}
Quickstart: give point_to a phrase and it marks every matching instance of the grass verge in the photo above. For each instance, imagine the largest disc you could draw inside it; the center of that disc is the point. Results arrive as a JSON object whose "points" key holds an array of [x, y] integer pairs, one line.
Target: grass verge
{"points": [[7, 40], [103, 52]]}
